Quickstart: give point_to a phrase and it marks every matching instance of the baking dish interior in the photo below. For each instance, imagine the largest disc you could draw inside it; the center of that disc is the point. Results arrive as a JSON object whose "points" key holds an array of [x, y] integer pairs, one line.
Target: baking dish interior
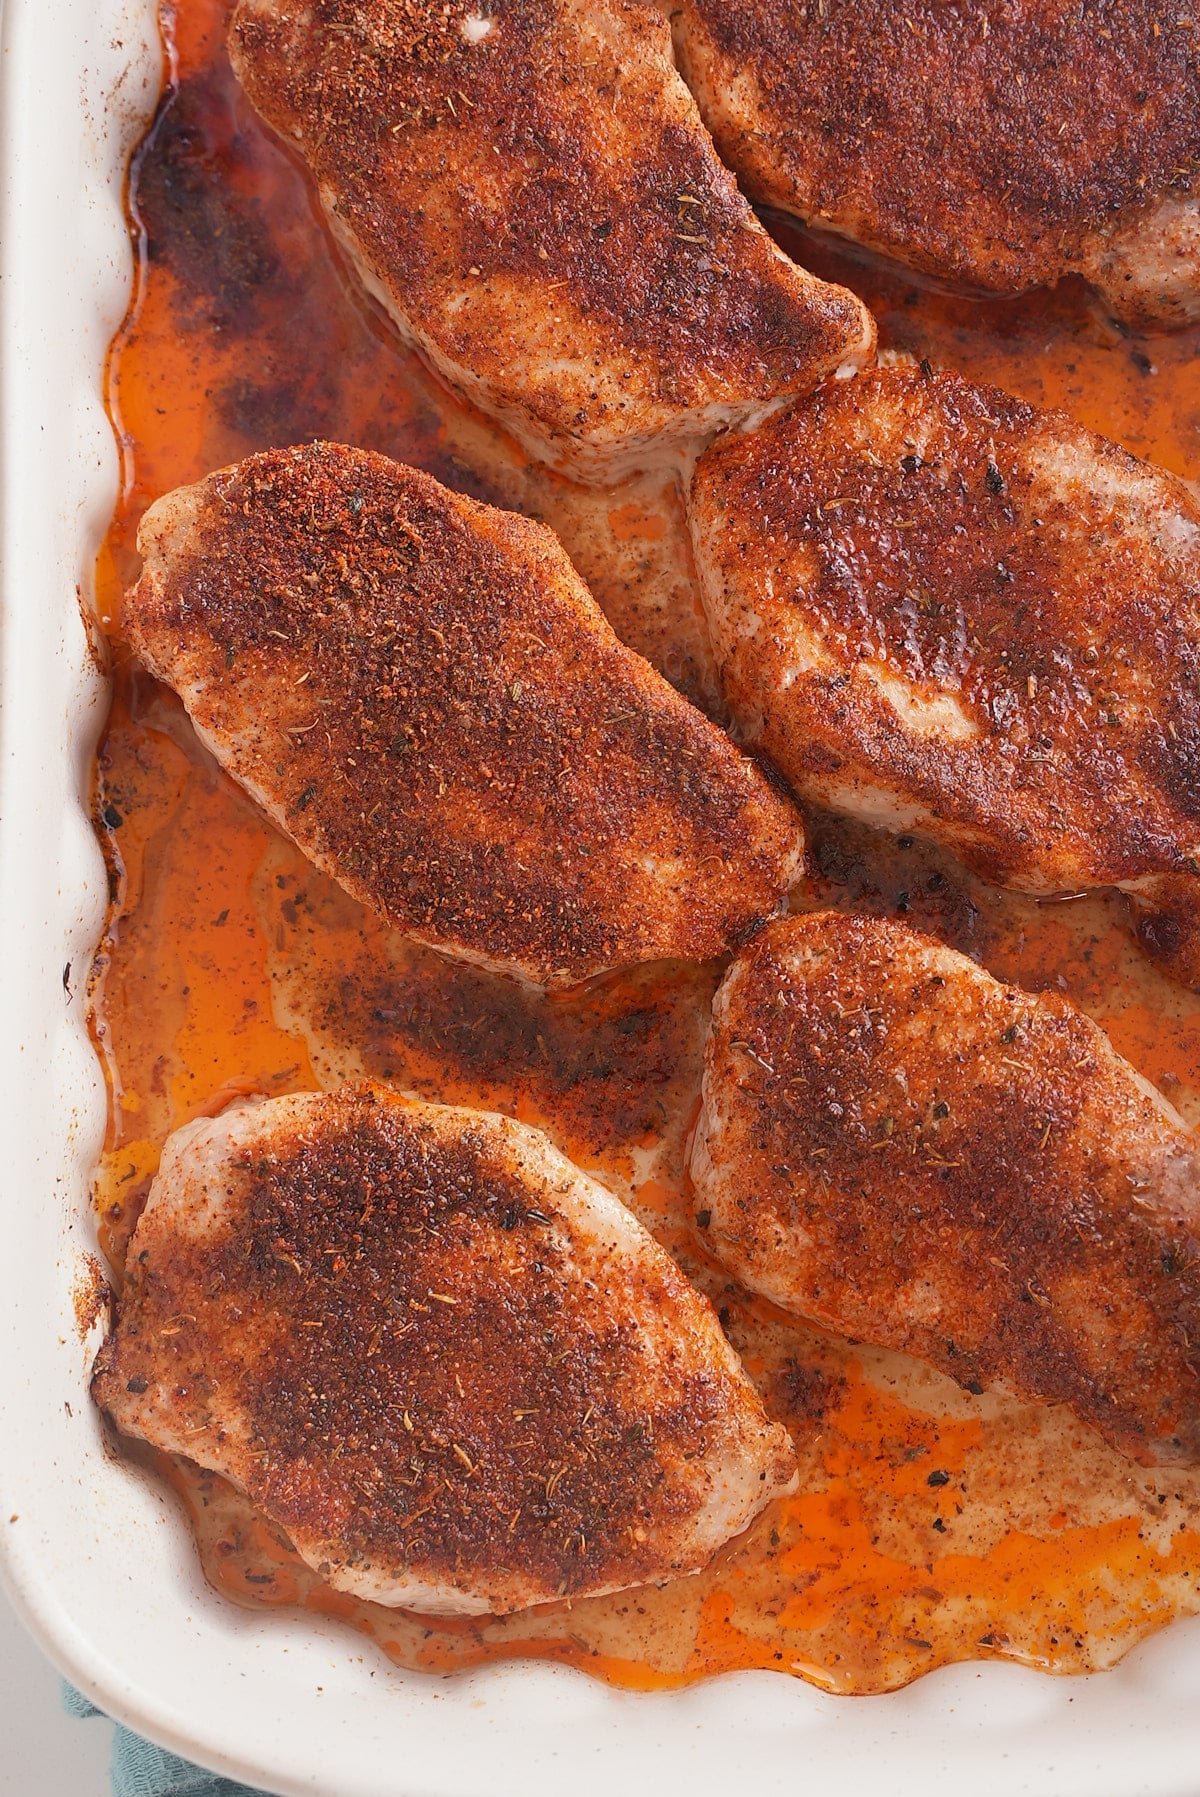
{"points": [[95, 1555]]}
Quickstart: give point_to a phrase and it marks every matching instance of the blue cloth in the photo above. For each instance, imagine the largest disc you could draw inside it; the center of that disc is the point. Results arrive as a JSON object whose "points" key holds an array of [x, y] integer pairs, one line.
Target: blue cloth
{"points": [[141, 1770]]}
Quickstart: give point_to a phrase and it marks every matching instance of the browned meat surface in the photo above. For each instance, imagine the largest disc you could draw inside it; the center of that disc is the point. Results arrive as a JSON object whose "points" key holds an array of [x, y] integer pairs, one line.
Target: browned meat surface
{"points": [[422, 693], [455, 1370], [939, 610], [897, 1146], [527, 187], [1001, 146]]}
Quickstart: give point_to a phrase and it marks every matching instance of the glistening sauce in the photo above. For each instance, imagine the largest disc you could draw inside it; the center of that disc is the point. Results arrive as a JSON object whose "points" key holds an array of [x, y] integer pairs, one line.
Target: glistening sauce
{"points": [[931, 1525]]}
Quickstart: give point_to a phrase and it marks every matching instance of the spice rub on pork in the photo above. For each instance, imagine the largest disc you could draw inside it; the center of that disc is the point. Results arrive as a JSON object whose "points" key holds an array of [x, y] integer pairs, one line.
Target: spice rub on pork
{"points": [[938, 609], [999, 146], [905, 1150], [422, 693], [528, 189], [455, 1370]]}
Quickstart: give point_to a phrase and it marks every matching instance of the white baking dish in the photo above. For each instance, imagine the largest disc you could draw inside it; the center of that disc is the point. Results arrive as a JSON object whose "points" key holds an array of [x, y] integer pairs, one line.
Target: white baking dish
{"points": [[98, 1560]]}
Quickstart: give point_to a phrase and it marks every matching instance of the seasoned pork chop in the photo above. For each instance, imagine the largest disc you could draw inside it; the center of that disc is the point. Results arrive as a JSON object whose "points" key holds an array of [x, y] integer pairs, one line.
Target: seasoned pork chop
{"points": [[939, 610], [528, 189], [897, 1146], [1001, 146], [422, 693], [455, 1370]]}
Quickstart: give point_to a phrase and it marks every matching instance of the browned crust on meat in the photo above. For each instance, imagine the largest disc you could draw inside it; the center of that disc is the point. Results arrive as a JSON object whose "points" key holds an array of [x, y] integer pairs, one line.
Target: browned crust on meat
{"points": [[558, 176], [433, 1381], [922, 525], [894, 1122], [429, 702], [998, 145], [91, 1296]]}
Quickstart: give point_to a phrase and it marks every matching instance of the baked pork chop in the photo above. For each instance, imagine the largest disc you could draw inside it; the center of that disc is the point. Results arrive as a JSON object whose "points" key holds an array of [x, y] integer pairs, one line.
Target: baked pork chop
{"points": [[422, 693], [456, 1371], [902, 1149], [1002, 147], [528, 189], [939, 610]]}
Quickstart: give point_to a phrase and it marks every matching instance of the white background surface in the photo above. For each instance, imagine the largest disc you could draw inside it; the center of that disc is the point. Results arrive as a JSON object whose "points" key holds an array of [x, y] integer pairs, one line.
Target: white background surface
{"points": [[43, 1751]]}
